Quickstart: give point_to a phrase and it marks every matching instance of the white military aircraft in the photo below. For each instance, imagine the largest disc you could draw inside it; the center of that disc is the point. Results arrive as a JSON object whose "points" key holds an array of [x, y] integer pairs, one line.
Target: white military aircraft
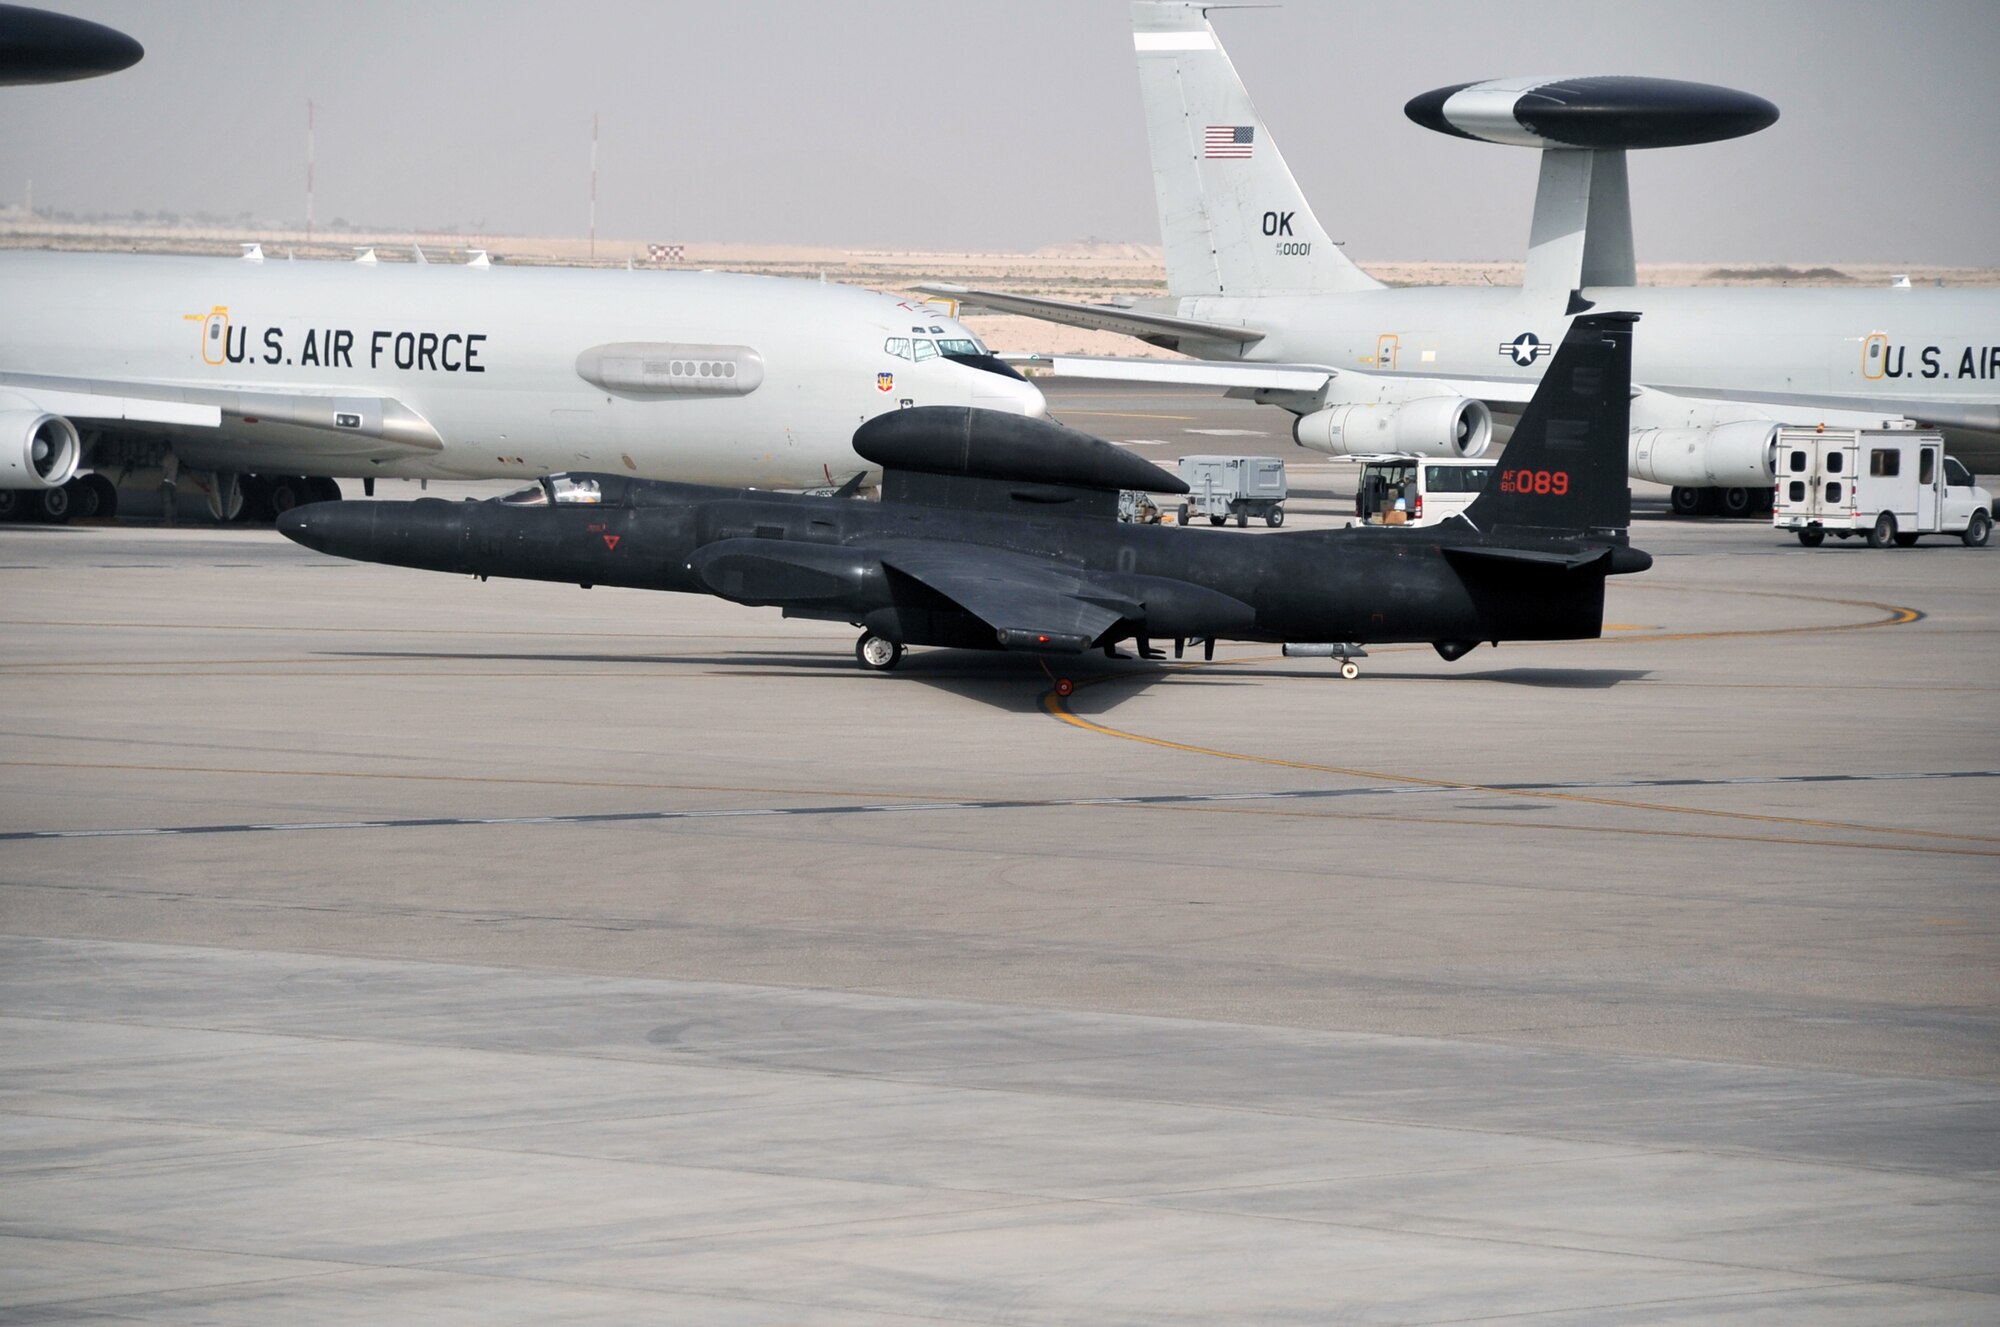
{"points": [[1258, 291], [256, 383]]}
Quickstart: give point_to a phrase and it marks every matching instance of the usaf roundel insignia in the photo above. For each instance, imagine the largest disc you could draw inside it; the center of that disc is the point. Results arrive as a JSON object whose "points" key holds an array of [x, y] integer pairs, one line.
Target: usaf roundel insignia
{"points": [[1525, 349], [885, 382]]}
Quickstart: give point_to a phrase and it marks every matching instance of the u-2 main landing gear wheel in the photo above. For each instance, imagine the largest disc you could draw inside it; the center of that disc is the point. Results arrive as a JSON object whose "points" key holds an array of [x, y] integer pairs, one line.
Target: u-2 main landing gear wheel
{"points": [[878, 654]]}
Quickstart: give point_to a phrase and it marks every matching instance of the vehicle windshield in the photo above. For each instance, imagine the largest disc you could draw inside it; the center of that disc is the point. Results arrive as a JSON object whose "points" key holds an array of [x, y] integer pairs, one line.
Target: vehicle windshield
{"points": [[1955, 473]]}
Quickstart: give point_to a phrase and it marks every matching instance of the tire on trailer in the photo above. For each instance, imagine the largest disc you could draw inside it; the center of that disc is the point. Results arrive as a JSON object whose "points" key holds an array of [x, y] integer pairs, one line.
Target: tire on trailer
{"points": [[1275, 517]]}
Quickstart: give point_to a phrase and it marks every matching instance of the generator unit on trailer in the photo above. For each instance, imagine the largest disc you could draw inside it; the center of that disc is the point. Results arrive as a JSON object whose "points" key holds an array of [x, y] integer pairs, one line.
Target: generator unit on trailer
{"points": [[1892, 485], [1220, 487]]}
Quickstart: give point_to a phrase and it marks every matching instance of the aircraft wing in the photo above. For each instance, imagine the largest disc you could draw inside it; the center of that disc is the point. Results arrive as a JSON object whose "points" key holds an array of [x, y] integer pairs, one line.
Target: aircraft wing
{"points": [[1028, 603], [341, 418], [1982, 416], [1255, 377], [1155, 327]]}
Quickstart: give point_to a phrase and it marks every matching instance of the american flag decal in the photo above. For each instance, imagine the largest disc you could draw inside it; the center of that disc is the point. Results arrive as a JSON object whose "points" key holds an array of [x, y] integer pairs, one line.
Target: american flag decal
{"points": [[1228, 141]]}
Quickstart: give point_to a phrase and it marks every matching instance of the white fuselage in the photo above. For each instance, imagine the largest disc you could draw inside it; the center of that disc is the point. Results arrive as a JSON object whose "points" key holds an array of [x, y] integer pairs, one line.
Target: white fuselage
{"points": [[489, 359], [1892, 350]]}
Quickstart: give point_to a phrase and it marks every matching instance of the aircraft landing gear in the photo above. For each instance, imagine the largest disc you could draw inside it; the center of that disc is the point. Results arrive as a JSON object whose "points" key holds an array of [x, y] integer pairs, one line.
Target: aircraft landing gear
{"points": [[1349, 669], [878, 654]]}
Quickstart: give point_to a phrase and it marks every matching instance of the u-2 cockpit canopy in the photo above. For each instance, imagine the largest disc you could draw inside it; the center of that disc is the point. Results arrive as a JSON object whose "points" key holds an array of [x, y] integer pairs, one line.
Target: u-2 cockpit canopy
{"points": [[565, 490]]}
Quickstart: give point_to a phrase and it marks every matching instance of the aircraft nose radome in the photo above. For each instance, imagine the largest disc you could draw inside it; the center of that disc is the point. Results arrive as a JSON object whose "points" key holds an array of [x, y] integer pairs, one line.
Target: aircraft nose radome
{"points": [[1016, 397]]}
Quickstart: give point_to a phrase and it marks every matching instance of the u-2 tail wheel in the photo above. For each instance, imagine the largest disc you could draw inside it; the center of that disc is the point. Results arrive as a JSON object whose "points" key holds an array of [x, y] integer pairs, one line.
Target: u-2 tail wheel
{"points": [[876, 653]]}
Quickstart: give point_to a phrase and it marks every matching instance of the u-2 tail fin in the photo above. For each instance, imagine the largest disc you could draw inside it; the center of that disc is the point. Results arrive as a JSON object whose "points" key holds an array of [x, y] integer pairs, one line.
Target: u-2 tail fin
{"points": [[1563, 471], [1232, 219]]}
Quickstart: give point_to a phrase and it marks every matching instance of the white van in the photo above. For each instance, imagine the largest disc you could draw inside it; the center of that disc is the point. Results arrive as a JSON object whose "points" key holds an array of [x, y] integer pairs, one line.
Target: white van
{"points": [[1893, 485], [1409, 490]]}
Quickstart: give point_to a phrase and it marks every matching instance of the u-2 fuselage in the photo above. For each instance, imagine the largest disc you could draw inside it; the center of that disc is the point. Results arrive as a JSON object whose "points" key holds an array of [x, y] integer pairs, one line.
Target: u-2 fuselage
{"points": [[1361, 585]]}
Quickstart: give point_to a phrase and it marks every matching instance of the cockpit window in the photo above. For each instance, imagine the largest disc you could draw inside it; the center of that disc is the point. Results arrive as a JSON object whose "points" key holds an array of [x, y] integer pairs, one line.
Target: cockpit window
{"points": [[577, 492], [925, 350], [899, 346], [960, 347], [532, 496]]}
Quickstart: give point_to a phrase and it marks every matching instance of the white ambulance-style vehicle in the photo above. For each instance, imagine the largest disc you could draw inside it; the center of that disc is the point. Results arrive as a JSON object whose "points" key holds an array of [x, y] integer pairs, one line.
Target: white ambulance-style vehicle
{"points": [[1891, 485]]}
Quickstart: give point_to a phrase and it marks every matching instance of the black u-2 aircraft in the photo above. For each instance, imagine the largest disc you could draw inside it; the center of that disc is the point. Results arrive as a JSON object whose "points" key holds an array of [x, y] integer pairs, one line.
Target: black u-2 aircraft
{"points": [[998, 531]]}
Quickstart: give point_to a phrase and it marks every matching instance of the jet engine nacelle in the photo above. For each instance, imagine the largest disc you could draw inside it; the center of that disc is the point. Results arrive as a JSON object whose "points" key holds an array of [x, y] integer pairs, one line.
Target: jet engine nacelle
{"points": [[37, 449], [1733, 455], [1427, 426]]}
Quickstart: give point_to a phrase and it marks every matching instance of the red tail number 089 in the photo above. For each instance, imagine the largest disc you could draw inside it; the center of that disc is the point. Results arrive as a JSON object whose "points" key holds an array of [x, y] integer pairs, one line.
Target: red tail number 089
{"points": [[1543, 483]]}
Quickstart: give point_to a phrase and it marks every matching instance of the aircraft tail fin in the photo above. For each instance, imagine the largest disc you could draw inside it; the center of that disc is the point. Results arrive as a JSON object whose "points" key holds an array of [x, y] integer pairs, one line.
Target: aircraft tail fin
{"points": [[1563, 471], [1232, 218]]}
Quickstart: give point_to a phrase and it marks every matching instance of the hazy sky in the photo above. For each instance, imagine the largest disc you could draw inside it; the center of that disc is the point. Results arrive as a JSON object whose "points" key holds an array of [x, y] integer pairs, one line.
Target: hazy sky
{"points": [[1007, 124]]}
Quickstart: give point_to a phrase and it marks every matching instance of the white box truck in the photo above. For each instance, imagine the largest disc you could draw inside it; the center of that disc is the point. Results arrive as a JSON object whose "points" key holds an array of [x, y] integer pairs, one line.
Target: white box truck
{"points": [[1892, 485]]}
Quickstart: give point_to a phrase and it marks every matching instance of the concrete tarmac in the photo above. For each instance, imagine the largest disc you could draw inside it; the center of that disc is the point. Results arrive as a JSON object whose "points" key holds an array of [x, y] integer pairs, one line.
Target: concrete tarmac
{"points": [[383, 945]]}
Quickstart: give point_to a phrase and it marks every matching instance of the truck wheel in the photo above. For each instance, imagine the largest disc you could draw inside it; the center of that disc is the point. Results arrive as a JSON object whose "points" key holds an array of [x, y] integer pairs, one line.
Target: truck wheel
{"points": [[878, 654], [1977, 531], [1217, 520], [1242, 519], [1812, 538], [1275, 517], [1883, 532], [1184, 513], [1906, 541]]}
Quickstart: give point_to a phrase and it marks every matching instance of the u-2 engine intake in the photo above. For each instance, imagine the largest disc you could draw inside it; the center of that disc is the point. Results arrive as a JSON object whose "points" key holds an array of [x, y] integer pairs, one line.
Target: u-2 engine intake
{"points": [[1441, 426], [37, 450]]}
